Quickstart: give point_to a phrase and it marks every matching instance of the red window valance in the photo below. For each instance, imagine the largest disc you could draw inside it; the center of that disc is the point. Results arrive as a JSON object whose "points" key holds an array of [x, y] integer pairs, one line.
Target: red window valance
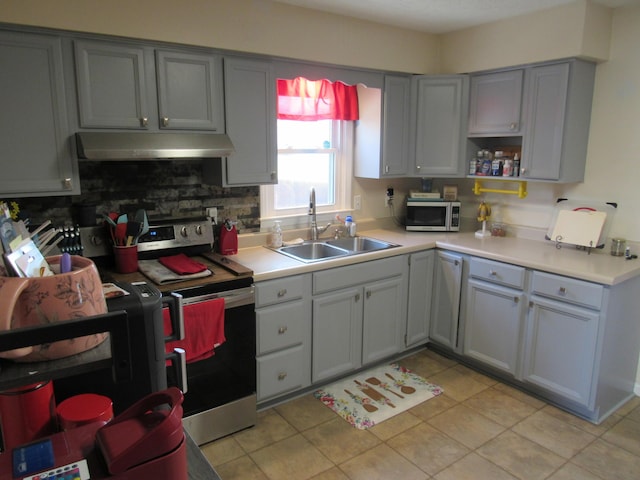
{"points": [[302, 99]]}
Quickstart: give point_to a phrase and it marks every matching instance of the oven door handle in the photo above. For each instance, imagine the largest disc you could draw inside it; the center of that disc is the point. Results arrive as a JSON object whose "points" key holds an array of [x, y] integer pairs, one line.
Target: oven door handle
{"points": [[178, 361], [232, 298], [175, 302]]}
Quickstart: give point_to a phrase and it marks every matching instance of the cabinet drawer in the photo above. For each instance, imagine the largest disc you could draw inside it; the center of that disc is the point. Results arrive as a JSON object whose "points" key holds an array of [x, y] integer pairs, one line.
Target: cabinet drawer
{"points": [[282, 326], [568, 289], [497, 272], [283, 371], [280, 290], [358, 274]]}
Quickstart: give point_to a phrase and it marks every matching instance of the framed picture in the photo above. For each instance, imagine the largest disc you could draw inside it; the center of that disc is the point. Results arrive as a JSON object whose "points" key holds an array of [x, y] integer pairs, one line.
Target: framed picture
{"points": [[450, 193]]}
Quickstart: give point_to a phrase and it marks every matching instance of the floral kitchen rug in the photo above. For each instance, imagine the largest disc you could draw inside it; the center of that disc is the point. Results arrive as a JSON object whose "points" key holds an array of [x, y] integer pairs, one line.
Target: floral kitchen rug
{"points": [[372, 396]]}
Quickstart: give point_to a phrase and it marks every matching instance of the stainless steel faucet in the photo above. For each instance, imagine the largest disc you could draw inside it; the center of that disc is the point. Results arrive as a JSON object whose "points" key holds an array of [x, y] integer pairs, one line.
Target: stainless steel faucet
{"points": [[315, 231]]}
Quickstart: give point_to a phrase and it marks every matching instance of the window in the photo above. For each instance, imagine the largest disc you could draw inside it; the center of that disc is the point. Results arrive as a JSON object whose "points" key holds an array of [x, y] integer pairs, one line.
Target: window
{"points": [[315, 152], [310, 154]]}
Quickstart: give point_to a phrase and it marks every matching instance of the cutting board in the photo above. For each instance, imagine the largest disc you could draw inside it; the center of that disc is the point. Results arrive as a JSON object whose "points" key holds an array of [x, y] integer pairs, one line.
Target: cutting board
{"points": [[581, 227]]}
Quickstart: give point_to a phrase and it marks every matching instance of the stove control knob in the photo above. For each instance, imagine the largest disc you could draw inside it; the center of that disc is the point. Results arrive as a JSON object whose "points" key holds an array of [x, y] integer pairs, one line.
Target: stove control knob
{"points": [[184, 232]]}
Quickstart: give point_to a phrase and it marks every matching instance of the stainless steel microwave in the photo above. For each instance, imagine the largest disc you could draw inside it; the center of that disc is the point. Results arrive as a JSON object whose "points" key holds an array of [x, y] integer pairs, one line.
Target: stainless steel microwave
{"points": [[432, 216]]}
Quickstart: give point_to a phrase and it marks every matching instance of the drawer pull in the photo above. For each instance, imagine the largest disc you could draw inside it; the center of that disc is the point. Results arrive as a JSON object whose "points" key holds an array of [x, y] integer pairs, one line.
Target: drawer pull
{"points": [[282, 376], [357, 297], [493, 273], [282, 330], [282, 293], [562, 291], [516, 300]]}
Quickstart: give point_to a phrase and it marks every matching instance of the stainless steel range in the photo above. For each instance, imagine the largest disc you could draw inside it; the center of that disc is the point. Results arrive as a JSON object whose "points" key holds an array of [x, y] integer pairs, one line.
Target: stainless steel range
{"points": [[221, 389]]}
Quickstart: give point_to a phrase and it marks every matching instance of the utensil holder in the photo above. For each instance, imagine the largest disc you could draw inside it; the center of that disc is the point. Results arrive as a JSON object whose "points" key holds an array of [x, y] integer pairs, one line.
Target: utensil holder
{"points": [[126, 258]]}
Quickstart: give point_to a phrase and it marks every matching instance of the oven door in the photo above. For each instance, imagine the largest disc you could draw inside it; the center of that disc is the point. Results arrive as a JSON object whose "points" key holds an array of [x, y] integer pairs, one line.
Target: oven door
{"points": [[221, 396]]}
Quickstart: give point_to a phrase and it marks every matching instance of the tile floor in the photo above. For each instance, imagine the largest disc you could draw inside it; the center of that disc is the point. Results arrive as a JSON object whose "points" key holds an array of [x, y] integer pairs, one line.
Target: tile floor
{"points": [[478, 429]]}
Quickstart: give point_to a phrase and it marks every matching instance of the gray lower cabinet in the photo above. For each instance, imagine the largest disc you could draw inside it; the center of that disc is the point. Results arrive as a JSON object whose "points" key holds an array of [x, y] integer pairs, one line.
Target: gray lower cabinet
{"points": [[34, 128], [419, 297], [250, 104], [359, 315], [283, 319], [570, 341], [117, 85], [445, 303], [495, 310]]}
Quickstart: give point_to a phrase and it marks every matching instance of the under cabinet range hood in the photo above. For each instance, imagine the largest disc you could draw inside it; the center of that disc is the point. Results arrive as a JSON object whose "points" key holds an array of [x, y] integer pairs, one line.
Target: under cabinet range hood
{"points": [[151, 146]]}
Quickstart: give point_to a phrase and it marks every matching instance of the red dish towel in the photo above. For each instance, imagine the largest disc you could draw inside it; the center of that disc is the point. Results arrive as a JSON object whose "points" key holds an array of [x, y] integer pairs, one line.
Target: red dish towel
{"points": [[203, 329], [182, 265]]}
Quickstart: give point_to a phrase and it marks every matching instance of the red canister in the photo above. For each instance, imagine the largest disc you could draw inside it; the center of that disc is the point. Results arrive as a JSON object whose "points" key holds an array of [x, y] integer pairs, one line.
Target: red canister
{"points": [[84, 409], [27, 413]]}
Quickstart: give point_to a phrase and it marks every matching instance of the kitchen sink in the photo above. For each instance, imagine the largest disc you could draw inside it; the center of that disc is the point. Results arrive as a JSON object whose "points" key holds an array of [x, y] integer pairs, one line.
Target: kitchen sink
{"points": [[360, 244], [315, 251]]}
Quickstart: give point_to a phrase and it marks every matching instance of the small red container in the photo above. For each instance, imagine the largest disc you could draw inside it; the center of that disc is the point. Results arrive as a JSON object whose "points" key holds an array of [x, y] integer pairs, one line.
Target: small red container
{"points": [[84, 409]]}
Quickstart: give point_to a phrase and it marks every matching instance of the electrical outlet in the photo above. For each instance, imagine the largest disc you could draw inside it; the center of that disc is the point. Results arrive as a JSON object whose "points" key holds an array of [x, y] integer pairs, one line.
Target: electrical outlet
{"points": [[357, 202], [388, 197], [212, 212]]}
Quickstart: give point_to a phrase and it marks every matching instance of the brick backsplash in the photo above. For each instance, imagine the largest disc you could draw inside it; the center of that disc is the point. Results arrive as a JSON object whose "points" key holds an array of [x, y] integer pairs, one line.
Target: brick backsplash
{"points": [[165, 189]]}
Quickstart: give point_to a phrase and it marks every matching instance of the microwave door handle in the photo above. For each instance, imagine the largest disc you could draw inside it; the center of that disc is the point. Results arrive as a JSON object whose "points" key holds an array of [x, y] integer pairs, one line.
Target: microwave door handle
{"points": [[178, 363], [175, 304]]}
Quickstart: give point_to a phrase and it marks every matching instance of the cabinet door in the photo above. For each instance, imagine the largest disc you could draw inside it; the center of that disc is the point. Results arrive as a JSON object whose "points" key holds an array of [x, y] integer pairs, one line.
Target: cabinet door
{"points": [[439, 138], [34, 132], [250, 102], [189, 91], [447, 281], [112, 89], [337, 334], [493, 325], [560, 349], [419, 303], [546, 106], [395, 126], [495, 103], [383, 321]]}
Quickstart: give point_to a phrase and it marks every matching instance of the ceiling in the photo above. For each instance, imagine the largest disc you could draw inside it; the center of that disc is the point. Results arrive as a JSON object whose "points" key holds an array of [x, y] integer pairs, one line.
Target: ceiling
{"points": [[438, 16]]}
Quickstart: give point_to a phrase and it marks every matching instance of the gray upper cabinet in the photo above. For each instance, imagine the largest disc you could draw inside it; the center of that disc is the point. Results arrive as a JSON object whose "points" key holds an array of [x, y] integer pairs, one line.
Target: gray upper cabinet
{"points": [[250, 102], [382, 132], [112, 85], [116, 88], [496, 103], [190, 91], [34, 131], [558, 106], [438, 137]]}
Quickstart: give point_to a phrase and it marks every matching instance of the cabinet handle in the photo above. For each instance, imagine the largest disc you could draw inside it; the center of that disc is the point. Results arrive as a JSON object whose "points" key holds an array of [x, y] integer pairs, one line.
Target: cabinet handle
{"points": [[562, 291], [67, 184], [357, 297], [282, 376], [492, 273], [144, 121], [513, 126], [418, 167], [530, 303], [456, 262], [282, 293], [282, 330], [273, 175], [165, 121], [523, 171], [368, 293], [516, 300]]}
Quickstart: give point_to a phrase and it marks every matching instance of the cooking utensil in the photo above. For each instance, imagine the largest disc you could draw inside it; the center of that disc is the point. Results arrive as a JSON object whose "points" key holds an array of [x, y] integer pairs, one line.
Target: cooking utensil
{"points": [[121, 233], [362, 401], [133, 231], [141, 217], [373, 393], [378, 383], [406, 389]]}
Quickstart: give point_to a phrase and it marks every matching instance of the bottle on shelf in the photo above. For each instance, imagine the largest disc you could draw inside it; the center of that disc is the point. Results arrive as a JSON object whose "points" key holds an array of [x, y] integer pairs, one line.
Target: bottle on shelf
{"points": [[516, 165]]}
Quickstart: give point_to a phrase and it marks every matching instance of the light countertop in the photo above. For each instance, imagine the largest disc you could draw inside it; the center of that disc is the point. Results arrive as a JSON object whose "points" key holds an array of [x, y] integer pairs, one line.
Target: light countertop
{"points": [[598, 266]]}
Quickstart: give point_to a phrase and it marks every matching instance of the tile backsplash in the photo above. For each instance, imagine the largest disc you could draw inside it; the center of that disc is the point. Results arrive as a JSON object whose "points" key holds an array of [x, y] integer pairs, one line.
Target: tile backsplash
{"points": [[165, 189]]}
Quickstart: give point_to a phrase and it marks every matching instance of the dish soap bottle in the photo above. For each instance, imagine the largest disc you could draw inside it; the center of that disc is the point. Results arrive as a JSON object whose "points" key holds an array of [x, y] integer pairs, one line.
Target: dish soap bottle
{"points": [[276, 235]]}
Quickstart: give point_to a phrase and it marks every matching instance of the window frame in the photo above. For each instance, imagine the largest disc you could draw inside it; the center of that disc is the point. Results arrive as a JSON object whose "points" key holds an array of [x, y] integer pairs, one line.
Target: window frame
{"points": [[299, 218]]}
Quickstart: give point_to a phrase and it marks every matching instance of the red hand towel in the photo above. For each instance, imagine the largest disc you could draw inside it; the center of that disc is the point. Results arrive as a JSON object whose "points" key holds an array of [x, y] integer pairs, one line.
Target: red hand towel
{"points": [[204, 329], [182, 265]]}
